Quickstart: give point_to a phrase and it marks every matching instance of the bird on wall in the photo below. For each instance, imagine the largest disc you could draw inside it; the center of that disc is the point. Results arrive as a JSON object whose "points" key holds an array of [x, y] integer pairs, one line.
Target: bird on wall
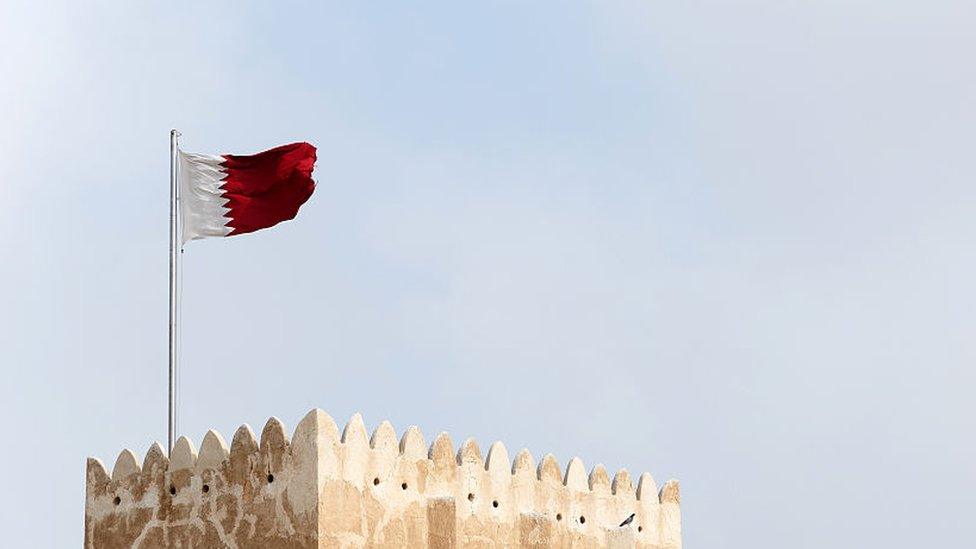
{"points": [[628, 520]]}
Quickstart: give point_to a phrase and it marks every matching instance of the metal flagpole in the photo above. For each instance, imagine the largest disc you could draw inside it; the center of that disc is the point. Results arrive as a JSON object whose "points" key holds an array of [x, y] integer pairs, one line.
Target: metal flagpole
{"points": [[173, 259]]}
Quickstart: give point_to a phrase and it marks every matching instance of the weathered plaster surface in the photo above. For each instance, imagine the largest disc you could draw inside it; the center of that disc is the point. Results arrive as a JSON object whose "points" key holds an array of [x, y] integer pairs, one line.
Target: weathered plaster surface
{"points": [[326, 489]]}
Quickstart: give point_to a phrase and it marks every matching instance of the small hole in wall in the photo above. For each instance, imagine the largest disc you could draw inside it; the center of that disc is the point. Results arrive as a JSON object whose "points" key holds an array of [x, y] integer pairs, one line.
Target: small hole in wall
{"points": [[403, 486], [470, 497], [206, 488], [172, 490], [559, 516], [117, 500], [376, 481], [582, 520], [494, 504], [270, 478], [640, 528]]}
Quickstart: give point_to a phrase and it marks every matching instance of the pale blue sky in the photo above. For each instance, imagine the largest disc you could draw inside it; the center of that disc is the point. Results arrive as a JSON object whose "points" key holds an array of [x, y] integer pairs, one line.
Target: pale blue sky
{"points": [[729, 242]]}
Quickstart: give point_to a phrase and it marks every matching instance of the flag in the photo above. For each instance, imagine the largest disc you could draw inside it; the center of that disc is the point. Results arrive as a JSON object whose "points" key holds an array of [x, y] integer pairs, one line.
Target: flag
{"points": [[232, 194]]}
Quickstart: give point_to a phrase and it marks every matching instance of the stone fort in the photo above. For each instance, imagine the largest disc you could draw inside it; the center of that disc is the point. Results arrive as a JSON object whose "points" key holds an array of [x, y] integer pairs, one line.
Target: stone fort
{"points": [[326, 489]]}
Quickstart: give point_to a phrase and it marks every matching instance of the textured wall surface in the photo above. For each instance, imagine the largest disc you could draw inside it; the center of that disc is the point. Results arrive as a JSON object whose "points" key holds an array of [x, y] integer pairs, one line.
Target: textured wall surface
{"points": [[326, 489]]}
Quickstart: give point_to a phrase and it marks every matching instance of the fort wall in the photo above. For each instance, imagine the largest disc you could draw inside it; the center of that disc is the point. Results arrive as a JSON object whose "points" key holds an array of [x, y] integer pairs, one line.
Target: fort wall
{"points": [[323, 488]]}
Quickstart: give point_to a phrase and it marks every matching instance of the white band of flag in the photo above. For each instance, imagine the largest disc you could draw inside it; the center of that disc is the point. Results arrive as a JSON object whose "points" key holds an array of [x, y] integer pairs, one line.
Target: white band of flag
{"points": [[202, 200]]}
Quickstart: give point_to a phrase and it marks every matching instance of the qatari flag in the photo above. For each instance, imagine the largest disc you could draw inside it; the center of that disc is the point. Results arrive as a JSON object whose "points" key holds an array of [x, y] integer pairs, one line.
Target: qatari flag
{"points": [[232, 194]]}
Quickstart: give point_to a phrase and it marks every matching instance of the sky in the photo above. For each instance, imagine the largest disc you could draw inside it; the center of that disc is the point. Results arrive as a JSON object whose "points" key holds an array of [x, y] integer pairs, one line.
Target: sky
{"points": [[726, 242]]}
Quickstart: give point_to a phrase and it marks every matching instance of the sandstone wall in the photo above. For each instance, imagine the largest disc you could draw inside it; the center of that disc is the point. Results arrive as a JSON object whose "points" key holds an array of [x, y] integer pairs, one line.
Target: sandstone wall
{"points": [[326, 489]]}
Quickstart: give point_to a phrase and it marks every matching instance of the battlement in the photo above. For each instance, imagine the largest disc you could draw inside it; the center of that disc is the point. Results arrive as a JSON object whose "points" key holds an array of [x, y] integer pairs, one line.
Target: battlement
{"points": [[323, 489]]}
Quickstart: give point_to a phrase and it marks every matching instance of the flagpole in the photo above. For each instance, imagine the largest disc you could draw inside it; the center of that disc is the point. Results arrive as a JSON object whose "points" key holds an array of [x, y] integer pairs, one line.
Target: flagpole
{"points": [[173, 259]]}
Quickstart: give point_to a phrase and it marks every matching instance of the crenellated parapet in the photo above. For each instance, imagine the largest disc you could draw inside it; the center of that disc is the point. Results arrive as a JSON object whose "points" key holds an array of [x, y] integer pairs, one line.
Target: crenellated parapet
{"points": [[324, 488]]}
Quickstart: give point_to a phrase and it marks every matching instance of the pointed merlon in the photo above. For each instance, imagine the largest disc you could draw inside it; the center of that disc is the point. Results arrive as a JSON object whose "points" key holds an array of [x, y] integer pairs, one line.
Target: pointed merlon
{"points": [[442, 450], [622, 484], [549, 470], [95, 472], [244, 442], [243, 455], [575, 478], [184, 455], [469, 453], [497, 464], [155, 459], [647, 488], [671, 493], [213, 451], [315, 444], [599, 480], [412, 443], [315, 424], [523, 462], [355, 431], [384, 439], [274, 439], [125, 466]]}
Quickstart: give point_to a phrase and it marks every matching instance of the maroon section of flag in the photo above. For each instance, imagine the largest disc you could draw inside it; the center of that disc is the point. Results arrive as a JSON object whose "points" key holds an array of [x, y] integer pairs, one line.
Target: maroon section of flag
{"points": [[236, 194], [267, 188]]}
